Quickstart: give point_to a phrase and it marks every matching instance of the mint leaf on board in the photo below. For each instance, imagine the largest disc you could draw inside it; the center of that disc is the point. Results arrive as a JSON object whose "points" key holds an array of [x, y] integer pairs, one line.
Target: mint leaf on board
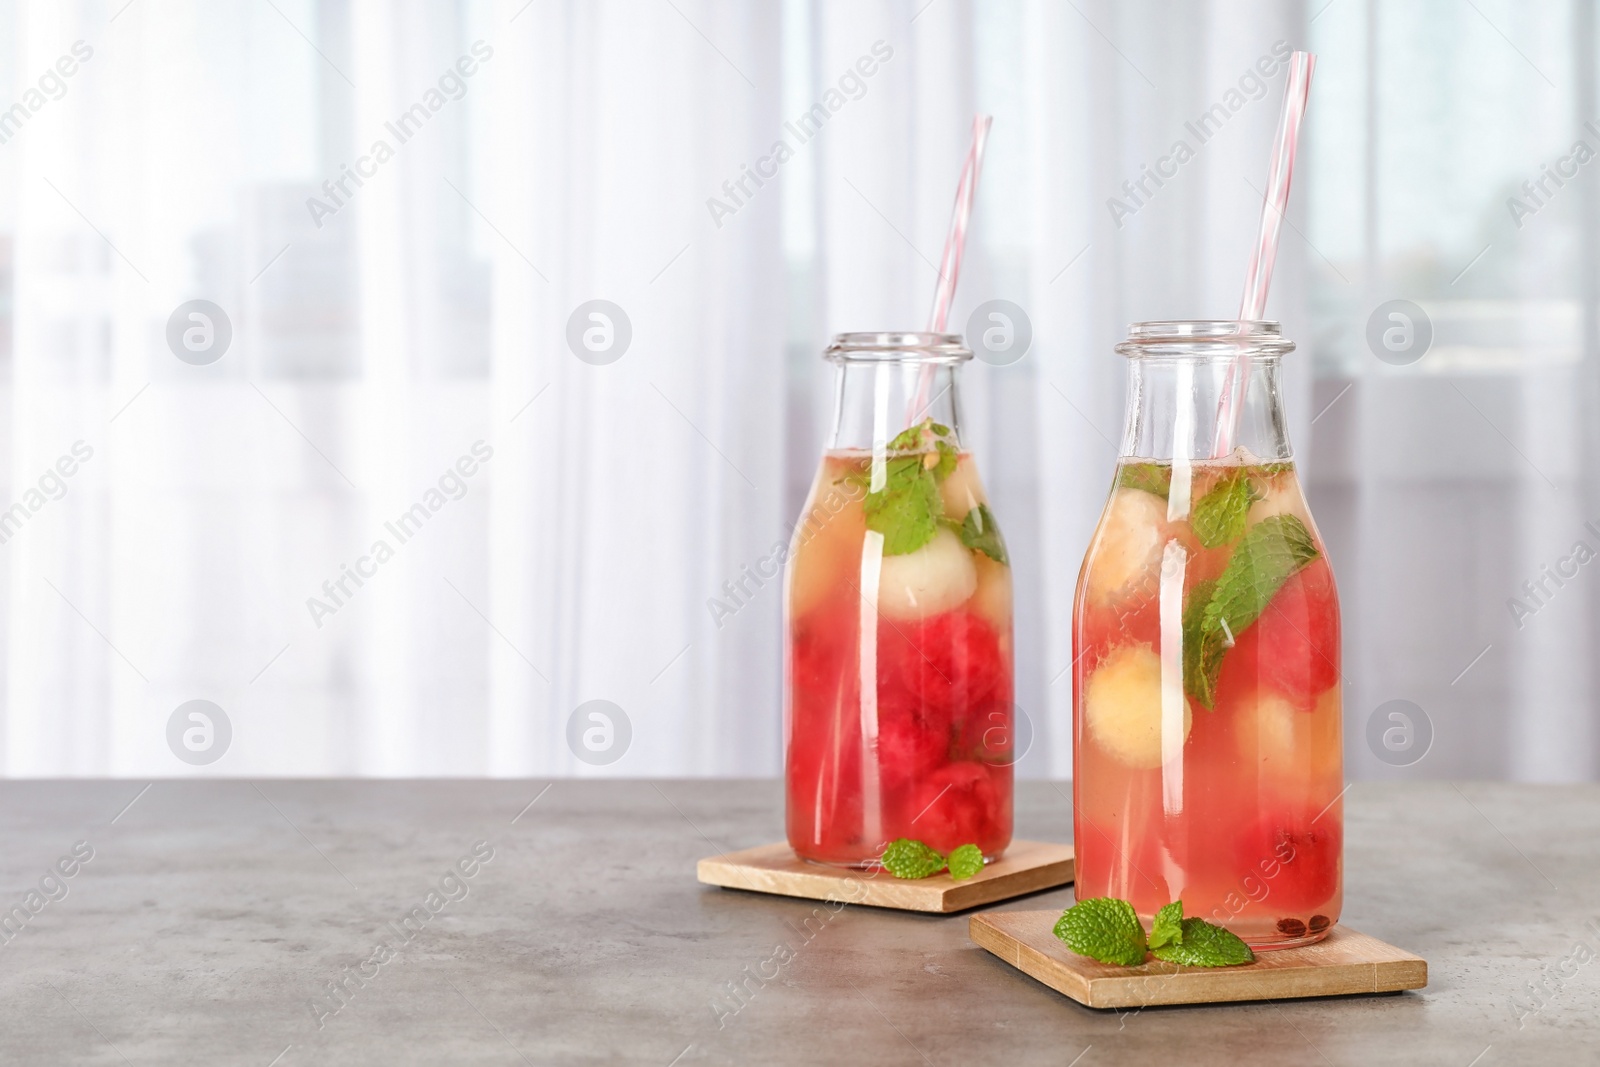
{"points": [[979, 532], [965, 862], [906, 510], [1220, 515], [1265, 557], [1167, 929], [1151, 477], [906, 858], [1105, 929], [1205, 945]]}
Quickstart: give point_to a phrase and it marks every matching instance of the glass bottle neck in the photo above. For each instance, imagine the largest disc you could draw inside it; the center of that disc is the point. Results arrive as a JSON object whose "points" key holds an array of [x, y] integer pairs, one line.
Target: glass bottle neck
{"points": [[1174, 407], [874, 400]]}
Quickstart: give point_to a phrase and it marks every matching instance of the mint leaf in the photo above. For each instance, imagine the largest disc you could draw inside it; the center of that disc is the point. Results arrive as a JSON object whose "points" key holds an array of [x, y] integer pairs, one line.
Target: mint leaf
{"points": [[906, 510], [1265, 557], [1151, 477], [910, 438], [1220, 515], [1202, 659], [1205, 945], [980, 533], [965, 862], [1168, 926], [1105, 929], [906, 858], [1263, 560]]}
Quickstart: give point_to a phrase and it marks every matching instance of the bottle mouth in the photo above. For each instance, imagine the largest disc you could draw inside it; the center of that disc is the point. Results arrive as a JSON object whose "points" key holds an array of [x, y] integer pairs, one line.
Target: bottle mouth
{"points": [[897, 347], [1205, 339]]}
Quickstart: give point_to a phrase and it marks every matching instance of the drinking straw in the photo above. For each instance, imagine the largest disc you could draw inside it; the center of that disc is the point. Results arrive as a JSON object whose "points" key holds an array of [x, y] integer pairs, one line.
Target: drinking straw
{"points": [[1258, 276], [955, 244]]}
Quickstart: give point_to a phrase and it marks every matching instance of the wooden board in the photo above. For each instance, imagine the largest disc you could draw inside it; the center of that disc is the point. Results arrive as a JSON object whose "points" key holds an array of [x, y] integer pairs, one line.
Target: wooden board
{"points": [[1024, 867], [1343, 962]]}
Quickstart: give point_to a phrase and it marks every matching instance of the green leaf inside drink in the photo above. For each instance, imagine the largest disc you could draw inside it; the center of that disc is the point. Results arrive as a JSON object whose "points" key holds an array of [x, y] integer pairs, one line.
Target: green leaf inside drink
{"points": [[1221, 515], [980, 533], [1151, 477], [1266, 556]]}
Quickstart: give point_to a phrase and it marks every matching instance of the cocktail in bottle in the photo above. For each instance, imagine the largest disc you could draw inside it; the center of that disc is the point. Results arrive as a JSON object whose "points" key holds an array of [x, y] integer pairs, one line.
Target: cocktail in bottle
{"points": [[898, 678], [1206, 718]]}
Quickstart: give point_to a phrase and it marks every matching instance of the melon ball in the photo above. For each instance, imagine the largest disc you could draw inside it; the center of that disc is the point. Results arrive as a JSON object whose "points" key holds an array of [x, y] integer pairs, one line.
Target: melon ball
{"points": [[1283, 498], [935, 578], [1122, 706], [1127, 548], [992, 600], [1298, 754], [962, 491]]}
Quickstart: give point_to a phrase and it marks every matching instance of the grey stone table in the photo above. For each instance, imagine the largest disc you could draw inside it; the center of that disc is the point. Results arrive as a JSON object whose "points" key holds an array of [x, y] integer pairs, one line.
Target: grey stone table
{"points": [[204, 922]]}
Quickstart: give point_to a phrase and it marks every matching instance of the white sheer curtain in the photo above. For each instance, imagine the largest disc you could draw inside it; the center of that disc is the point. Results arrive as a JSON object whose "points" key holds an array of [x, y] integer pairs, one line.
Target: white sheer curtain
{"points": [[578, 162]]}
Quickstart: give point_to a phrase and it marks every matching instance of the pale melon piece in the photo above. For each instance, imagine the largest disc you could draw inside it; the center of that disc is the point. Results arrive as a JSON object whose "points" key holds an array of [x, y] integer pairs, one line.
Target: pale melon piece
{"points": [[1122, 706], [826, 552], [992, 600], [935, 578], [1128, 546], [1298, 755], [1284, 498], [962, 491]]}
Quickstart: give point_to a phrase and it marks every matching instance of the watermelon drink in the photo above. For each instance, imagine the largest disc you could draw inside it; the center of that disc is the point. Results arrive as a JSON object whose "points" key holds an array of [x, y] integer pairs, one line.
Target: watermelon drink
{"points": [[898, 651], [1208, 738]]}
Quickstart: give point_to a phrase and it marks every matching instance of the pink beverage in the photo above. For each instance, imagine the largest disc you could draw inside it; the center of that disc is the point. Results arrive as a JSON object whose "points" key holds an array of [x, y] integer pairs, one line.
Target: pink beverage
{"points": [[898, 679], [1208, 755]]}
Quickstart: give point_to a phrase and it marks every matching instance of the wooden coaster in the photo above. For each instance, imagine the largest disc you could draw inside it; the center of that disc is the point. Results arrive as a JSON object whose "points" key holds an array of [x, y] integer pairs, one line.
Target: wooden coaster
{"points": [[1343, 962], [1024, 867]]}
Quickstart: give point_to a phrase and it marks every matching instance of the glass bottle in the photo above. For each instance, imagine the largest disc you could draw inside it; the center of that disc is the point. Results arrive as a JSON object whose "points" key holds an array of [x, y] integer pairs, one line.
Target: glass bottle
{"points": [[897, 607], [1208, 758]]}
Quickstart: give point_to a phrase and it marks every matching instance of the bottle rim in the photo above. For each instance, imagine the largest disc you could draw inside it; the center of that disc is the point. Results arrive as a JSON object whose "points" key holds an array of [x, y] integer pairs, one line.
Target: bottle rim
{"points": [[1205, 339], [897, 347]]}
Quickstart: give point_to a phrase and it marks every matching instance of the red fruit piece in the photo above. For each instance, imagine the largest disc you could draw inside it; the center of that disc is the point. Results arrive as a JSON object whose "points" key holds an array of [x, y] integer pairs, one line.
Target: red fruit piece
{"points": [[1295, 854], [958, 805], [1298, 635], [988, 735], [822, 657], [946, 665], [909, 746]]}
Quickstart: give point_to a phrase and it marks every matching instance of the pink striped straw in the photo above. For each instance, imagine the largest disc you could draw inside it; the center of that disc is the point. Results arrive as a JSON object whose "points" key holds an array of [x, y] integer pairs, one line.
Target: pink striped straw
{"points": [[955, 245], [1258, 277]]}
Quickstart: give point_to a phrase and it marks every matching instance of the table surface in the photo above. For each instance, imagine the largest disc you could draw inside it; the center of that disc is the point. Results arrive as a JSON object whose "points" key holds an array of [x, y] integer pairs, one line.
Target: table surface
{"points": [[213, 915]]}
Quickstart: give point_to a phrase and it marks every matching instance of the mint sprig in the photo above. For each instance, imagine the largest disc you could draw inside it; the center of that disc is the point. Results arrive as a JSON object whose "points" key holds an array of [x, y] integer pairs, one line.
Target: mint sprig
{"points": [[1167, 929], [907, 509], [964, 862], [1105, 929], [1220, 515], [907, 858], [980, 533], [1266, 556], [1108, 930], [1206, 945]]}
